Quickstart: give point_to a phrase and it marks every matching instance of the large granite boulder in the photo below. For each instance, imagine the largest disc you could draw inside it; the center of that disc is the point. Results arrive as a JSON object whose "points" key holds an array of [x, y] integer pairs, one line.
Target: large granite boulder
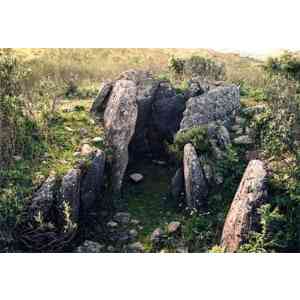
{"points": [[242, 216], [217, 105], [119, 121], [92, 182], [196, 187]]}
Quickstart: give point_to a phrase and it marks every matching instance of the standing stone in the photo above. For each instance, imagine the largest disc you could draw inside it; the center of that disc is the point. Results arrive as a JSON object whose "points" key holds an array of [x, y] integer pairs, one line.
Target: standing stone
{"points": [[196, 188], [119, 121], [70, 195], [102, 98], [242, 216], [92, 182]]}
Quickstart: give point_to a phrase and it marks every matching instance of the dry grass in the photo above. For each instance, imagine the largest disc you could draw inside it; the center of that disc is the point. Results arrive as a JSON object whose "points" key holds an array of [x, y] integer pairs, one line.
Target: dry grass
{"points": [[90, 66]]}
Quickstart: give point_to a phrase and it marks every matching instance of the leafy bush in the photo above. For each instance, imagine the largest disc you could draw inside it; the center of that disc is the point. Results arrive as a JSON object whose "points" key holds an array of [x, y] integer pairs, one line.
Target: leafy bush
{"points": [[278, 137], [288, 65], [276, 126], [272, 235], [197, 136], [197, 66], [176, 65]]}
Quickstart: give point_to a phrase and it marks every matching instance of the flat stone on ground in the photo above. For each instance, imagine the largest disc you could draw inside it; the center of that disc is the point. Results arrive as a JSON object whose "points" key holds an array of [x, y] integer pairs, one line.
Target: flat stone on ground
{"points": [[136, 247], [243, 140], [136, 177], [90, 247]]}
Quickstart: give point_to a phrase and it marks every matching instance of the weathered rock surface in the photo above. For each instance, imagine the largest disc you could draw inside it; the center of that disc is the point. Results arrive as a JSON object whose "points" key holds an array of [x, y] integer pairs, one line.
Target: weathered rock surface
{"points": [[167, 111], [196, 189], [243, 140], [217, 105], [102, 98], [43, 199], [92, 182], [70, 195], [146, 89], [242, 216], [120, 120]]}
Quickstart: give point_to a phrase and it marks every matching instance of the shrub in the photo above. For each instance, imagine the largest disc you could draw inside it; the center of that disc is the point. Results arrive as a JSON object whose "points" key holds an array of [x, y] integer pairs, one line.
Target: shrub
{"points": [[272, 235], [288, 65], [197, 66], [197, 136], [276, 126]]}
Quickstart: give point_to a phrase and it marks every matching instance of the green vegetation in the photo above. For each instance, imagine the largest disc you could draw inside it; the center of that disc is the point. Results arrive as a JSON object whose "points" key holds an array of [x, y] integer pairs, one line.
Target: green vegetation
{"points": [[197, 136], [288, 65], [197, 66]]}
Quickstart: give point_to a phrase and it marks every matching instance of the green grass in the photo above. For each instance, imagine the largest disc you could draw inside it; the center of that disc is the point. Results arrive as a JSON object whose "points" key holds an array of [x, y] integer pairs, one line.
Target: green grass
{"points": [[56, 154], [149, 201]]}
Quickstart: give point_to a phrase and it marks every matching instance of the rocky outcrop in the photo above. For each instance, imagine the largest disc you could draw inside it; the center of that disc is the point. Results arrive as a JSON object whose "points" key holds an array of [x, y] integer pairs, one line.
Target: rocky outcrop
{"points": [[242, 216], [92, 182], [217, 105], [196, 189], [120, 120]]}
